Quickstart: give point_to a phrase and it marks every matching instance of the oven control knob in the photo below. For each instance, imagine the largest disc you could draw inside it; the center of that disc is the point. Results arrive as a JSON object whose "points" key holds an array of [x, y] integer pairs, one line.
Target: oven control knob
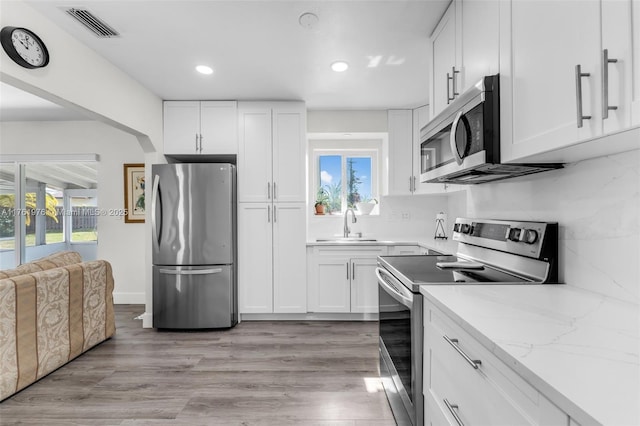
{"points": [[456, 227], [514, 234], [465, 228], [530, 236]]}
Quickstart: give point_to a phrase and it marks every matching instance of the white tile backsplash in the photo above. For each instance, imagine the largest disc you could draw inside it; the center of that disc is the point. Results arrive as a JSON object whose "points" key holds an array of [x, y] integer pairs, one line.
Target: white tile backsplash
{"points": [[597, 205], [401, 218]]}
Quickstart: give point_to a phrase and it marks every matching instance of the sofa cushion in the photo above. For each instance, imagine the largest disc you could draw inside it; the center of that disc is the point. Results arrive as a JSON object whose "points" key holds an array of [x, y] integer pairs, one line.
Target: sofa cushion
{"points": [[61, 258]]}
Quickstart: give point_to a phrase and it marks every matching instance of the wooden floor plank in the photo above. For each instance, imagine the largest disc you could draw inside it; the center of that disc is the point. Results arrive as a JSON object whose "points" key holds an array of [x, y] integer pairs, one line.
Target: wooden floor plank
{"points": [[259, 373]]}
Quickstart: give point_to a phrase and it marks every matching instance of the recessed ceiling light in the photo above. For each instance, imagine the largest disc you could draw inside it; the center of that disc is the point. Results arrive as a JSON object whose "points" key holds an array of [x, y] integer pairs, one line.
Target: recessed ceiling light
{"points": [[339, 66], [203, 69]]}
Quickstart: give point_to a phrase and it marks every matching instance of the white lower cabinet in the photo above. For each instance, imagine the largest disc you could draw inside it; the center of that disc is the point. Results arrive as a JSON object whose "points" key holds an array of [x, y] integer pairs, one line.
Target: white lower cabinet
{"points": [[477, 387], [342, 279], [271, 258]]}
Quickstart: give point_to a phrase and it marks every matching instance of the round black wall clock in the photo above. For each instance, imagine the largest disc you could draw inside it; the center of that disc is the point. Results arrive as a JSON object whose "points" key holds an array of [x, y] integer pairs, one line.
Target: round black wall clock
{"points": [[24, 47]]}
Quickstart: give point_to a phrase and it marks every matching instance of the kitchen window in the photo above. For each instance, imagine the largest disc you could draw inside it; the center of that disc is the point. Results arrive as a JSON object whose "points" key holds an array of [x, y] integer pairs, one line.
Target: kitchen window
{"points": [[345, 177]]}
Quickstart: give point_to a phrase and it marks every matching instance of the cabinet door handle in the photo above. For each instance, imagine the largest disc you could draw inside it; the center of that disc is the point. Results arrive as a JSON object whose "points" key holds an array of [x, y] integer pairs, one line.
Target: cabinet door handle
{"points": [[196, 143], [268, 215], [274, 214], [449, 98], [268, 190], [414, 184], [579, 75], [472, 362], [348, 271], [410, 187], [453, 82], [353, 271], [274, 191], [200, 143], [605, 84], [452, 409]]}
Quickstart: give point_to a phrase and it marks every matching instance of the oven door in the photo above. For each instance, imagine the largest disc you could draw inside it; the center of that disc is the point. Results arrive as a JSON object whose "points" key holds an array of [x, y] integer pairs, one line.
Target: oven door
{"points": [[400, 319]]}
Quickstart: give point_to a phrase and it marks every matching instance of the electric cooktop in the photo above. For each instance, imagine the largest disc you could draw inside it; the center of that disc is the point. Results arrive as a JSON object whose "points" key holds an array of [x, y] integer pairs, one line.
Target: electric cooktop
{"points": [[416, 270]]}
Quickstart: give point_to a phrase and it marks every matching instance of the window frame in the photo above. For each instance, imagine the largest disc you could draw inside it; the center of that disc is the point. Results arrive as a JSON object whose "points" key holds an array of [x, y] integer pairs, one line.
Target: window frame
{"points": [[344, 154], [356, 142]]}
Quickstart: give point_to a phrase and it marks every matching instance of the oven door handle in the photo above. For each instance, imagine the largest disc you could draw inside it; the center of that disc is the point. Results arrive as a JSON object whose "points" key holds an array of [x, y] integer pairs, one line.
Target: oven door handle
{"points": [[400, 298]]}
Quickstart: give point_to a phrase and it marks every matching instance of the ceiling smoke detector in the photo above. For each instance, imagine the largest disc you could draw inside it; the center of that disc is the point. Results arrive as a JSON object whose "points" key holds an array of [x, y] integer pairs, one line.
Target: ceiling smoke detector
{"points": [[308, 20], [94, 24]]}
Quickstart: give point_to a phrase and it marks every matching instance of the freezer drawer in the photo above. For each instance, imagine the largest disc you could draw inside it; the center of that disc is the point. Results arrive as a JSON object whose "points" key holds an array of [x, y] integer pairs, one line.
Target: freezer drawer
{"points": [[194, 297]]}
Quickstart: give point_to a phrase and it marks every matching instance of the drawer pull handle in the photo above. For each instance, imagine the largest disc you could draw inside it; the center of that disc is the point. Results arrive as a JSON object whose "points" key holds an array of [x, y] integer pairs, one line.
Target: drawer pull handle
{"points": [[452, 409], [473, 362]]}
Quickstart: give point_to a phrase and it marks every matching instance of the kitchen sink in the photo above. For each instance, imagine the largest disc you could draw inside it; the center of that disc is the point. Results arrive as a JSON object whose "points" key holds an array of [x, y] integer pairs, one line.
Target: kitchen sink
{"points": [[345, 240]]}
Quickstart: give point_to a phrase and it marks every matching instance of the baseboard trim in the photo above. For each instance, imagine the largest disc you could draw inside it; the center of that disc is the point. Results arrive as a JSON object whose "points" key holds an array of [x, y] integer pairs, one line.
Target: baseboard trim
{"points": [[310, 317], [120, 298]]}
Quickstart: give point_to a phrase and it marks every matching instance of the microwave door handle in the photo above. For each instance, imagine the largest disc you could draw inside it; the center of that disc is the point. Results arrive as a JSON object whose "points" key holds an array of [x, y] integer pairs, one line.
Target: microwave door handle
{"points": [[393, 293], [452, 138]]}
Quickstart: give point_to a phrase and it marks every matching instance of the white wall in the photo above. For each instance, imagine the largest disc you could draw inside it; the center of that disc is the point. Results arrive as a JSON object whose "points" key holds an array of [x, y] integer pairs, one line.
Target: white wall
{"points": [[122, 244], [597, 205], [80, 79], [401, 218]]}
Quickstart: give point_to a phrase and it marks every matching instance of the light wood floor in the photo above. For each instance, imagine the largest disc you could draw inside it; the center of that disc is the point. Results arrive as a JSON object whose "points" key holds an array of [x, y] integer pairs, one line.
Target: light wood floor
{"points": [[258, 373]]}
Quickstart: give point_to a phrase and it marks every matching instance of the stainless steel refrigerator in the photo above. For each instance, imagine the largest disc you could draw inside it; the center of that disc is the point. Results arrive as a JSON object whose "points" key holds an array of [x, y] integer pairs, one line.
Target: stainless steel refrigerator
{"points": [[193, 223]]}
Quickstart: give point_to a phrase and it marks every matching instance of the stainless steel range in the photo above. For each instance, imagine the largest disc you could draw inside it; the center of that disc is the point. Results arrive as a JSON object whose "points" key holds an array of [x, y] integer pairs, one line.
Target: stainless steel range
{"points": [[488, 252]]}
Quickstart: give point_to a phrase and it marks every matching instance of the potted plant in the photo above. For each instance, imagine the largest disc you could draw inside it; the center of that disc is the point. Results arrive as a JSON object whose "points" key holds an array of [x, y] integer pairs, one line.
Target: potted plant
{"points": [[322, 201]]}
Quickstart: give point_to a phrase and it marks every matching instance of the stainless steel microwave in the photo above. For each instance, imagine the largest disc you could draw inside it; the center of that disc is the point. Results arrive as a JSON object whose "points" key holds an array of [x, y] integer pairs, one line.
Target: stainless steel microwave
{"points": [[462, 144]]}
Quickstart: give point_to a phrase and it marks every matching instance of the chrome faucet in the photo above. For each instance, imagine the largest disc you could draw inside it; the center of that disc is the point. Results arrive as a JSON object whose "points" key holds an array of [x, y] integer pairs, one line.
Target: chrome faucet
{"points": [[353, 220]]}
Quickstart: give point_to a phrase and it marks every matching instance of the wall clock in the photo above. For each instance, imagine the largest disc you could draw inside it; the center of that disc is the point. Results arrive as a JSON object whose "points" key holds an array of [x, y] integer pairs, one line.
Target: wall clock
{"points": [[24, 47]]}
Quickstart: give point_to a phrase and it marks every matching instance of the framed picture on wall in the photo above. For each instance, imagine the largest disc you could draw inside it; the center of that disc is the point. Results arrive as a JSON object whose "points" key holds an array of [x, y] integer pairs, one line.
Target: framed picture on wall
{"points": [[134, 201]]}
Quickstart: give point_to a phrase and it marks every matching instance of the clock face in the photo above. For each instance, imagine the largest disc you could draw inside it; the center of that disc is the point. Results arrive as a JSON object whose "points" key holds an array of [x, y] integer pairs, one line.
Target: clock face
{"points": [[28, 47], [24, 47]]}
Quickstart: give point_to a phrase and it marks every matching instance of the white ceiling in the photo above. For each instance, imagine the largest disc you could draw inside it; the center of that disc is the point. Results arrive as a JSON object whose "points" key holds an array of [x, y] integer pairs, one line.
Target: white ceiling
{"points": [[259, 50]]}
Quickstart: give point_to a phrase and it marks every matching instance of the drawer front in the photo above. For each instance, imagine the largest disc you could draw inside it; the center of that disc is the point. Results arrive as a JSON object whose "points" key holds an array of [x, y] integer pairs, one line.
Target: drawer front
{"points": [[435, 414], [490, 394], [471, 396]]}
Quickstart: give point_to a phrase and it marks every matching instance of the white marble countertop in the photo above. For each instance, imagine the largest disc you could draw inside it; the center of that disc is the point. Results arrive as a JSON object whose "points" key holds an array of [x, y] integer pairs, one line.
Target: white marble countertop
{"points": [[579, 349]]}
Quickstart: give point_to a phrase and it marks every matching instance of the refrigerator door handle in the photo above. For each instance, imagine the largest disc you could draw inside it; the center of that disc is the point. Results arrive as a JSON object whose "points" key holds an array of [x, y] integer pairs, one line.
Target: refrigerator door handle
{"points": [[190, 271], [154, 201]]}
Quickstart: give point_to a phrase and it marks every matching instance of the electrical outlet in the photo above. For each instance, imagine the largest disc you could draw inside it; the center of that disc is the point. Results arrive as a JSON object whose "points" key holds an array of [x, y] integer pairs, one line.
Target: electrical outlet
{"points": [[406, 216]]}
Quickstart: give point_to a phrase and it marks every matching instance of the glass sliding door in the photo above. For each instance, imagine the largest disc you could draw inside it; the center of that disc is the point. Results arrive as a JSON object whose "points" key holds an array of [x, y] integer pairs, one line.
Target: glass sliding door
{"points": [[8, 258], [45, 207]]}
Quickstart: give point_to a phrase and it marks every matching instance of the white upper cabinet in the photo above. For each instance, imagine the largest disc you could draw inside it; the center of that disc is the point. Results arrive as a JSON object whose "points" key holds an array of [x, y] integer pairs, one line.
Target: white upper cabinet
{"points": [[404, 152], [401, 151], [289, 152], [557, 88], [618, 75], [200, 127], [465, 47], [445, 65], [271, 158], [480, 33]]}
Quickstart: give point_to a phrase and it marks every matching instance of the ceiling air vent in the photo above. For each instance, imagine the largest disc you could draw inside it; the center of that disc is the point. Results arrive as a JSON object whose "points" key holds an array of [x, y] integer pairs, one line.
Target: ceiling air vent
{"points": [[93, 23]]}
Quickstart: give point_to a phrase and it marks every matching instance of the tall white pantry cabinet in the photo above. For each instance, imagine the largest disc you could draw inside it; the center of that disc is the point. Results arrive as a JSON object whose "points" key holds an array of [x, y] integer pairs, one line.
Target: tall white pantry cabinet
{"points": [[271, 207]]}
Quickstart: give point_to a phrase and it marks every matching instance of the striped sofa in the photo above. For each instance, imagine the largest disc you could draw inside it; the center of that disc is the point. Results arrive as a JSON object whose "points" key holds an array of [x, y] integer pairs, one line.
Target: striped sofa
{"points": [[51, 311]]}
